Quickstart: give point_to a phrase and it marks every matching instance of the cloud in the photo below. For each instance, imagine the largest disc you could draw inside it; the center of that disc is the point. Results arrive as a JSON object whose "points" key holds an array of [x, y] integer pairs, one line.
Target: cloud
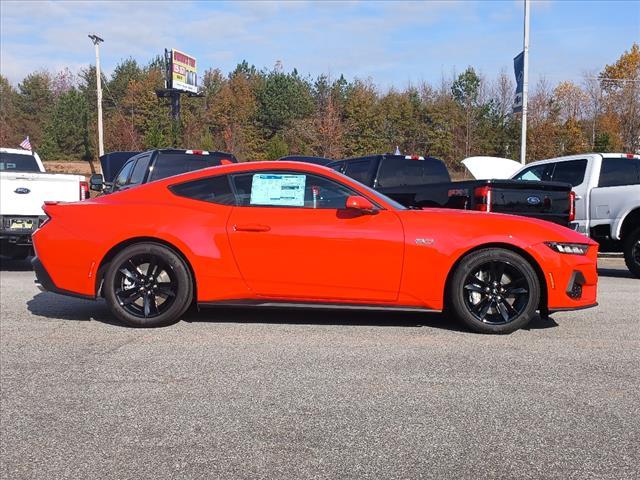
{"points": [[393, 42]]}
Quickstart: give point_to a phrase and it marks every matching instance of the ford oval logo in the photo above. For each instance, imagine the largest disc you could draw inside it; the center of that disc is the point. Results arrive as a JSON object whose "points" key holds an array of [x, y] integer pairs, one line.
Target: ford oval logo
{"points": [[22, 190], [533, 200]]}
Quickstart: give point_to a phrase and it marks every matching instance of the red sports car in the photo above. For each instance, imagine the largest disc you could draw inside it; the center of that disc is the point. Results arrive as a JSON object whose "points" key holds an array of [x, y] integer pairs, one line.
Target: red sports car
{"points": [[287, 233]]}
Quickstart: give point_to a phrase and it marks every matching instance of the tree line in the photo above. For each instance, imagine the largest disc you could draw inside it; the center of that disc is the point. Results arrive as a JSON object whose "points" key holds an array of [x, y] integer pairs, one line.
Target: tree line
{"points": [[265, 114]]}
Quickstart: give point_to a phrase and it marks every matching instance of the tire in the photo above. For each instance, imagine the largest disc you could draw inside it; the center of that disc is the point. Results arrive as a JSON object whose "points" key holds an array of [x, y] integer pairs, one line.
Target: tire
{"points": [[632, 252], [494, 291], [148, 285]]}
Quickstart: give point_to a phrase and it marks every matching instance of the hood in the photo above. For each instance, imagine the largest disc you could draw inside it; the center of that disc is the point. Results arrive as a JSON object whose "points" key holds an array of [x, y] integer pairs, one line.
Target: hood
{"points": [[485, 168], [482, 227]]}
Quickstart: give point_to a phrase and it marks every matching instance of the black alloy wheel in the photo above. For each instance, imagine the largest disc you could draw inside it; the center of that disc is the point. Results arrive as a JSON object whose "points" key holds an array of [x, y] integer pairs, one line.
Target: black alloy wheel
{"points": [[145, 286], [494, 291], [148, 285]]}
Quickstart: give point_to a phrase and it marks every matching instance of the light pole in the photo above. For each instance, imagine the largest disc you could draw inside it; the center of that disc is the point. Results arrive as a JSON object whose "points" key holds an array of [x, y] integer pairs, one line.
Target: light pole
{"points": [[525, 84], [96, 41]]}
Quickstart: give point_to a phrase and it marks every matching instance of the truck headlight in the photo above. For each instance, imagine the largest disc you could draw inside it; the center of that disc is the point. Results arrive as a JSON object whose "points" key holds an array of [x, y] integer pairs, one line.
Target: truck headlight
{"points": [[570, 248]]}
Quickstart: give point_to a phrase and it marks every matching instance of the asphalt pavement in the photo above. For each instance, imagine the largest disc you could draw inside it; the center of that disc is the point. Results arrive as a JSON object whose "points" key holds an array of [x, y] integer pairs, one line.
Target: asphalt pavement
{"points": [[294, 394]]}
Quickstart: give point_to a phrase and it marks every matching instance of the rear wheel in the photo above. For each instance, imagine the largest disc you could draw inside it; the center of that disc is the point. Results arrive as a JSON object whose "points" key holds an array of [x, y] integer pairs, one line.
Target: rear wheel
{"points": [[632, 252], [494, 291], [148, 285]]}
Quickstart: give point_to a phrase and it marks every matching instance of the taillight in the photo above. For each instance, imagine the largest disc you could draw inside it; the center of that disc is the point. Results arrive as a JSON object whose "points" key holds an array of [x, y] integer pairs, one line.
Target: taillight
{"points": [[572, 206], [482, 196], [84, 190], [197, 152]]}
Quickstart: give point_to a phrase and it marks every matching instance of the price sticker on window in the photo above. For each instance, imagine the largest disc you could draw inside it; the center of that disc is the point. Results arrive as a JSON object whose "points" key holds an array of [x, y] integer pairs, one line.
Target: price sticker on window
{"points": [[281, 190]]}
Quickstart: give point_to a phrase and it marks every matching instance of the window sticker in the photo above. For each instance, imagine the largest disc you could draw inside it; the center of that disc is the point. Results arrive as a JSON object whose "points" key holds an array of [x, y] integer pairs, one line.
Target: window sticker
{"points": [[278, 189]]}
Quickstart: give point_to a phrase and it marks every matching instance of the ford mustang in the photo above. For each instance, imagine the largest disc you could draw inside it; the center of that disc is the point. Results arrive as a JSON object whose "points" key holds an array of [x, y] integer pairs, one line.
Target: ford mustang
{"points": [[294, 234]]}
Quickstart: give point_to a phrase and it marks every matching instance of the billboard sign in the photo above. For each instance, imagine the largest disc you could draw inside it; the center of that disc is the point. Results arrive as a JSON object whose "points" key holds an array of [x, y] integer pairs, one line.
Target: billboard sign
{"points": [[184, 75]]}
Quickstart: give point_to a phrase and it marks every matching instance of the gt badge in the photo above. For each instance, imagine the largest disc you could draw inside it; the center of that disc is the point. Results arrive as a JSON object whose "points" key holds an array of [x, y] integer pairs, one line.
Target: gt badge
{"points": [[424, 241]]}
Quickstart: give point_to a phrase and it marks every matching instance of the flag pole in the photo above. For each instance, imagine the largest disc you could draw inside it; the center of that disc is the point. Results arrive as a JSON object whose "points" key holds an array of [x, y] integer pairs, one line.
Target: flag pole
{"points": [[525, 85]]}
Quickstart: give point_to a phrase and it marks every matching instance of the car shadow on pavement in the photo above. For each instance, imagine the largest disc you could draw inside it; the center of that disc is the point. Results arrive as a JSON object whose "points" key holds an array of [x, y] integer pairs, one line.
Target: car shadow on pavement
{"points": [[378, 318], [615, 273], [12, 265], [58, 307]]}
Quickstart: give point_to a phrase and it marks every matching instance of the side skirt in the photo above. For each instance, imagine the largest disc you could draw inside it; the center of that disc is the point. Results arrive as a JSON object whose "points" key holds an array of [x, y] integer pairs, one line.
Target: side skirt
{"points": [[314, 305]]}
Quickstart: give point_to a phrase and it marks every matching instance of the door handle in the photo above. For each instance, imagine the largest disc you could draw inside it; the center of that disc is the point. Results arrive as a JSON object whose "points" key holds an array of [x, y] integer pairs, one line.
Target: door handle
{"points": [[578, 197], [251, 227]]}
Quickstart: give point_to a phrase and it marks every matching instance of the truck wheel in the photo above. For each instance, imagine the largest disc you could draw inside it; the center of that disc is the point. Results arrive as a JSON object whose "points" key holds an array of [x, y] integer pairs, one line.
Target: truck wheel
{"points": [[148, 285], [494, 291], [632, 252]]}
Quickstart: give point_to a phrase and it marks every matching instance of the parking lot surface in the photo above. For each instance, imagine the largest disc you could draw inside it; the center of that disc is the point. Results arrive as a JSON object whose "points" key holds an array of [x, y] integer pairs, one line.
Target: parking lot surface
{"points": [[268, 394]]}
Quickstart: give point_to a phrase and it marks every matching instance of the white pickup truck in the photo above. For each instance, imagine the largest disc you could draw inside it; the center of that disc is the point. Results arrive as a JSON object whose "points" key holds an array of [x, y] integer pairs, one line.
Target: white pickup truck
{"points": [[607, 197], [24, 187]]}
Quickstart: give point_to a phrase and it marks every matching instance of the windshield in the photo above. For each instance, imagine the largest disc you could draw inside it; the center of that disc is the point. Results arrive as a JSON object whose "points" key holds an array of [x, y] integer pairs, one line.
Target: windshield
{"points": [[18, 162]]}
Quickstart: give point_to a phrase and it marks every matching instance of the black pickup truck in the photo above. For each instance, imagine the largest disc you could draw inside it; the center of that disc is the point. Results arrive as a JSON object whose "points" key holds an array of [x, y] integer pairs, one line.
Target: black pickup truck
{"points": [[124, 170], [419, 182]]}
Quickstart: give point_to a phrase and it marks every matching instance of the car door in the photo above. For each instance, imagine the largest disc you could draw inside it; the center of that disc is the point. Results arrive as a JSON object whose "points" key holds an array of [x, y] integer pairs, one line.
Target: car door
{"points": [[573, 172], [293, 239]]}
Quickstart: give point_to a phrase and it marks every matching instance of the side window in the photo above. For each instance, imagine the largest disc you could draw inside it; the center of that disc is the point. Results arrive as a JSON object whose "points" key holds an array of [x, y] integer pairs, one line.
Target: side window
{"points": [[570, 172], [211, 189], [123, 175], [289, 189], [137, 176], [537, 173], [359, 170], [618, 171]]}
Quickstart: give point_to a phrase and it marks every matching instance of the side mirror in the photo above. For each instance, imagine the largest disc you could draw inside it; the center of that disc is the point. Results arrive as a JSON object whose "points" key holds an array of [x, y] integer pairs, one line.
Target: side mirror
{"points": [[96, 182], [360, 204]]}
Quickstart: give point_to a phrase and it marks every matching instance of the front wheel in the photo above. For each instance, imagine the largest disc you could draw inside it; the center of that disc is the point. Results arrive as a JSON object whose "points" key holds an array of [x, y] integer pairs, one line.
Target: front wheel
{"points": [[148, 285], [494, 291], [632, 252]]}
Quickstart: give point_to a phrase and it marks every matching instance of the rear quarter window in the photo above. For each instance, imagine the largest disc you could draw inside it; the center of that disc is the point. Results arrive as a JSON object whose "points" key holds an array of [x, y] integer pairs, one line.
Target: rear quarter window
{"points": [[210, 189]]}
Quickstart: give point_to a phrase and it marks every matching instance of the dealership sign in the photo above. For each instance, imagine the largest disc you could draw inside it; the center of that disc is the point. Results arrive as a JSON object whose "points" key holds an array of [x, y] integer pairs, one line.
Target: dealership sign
{"points": [[184, 76]]}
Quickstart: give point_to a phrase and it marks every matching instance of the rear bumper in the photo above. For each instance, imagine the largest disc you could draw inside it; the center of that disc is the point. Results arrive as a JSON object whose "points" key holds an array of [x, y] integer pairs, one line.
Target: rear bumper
{"points": [[46, 283]]}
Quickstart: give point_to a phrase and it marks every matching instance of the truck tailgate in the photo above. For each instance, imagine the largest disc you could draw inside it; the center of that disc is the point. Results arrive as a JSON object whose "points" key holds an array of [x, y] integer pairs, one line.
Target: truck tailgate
{"points": [[24, 193], [544, 200]]}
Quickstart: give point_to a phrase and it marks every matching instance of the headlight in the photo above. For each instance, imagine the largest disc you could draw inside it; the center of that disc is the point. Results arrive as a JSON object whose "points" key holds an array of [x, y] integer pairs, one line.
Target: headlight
{"points": [[571, 248]]}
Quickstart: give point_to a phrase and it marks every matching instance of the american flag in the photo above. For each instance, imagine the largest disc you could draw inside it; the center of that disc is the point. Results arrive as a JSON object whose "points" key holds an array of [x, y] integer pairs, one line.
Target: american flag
{"points": [[26, 144]]}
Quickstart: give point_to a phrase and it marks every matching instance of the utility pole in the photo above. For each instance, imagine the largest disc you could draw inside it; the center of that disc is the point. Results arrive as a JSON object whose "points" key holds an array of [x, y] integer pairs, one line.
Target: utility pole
{"points": [[96, 41], [525, 84]]}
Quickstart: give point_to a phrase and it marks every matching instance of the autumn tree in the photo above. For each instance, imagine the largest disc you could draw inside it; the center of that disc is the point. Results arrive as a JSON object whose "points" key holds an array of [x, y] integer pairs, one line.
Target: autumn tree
{"points": [[621, 83]]}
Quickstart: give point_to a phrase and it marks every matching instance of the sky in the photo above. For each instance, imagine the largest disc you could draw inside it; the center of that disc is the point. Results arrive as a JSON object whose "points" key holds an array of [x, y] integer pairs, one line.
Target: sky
{"points": [[393, 43]]}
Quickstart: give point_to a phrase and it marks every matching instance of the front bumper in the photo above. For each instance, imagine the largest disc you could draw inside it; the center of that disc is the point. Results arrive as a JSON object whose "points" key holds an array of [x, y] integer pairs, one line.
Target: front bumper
{"points": [[572, 280]]}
